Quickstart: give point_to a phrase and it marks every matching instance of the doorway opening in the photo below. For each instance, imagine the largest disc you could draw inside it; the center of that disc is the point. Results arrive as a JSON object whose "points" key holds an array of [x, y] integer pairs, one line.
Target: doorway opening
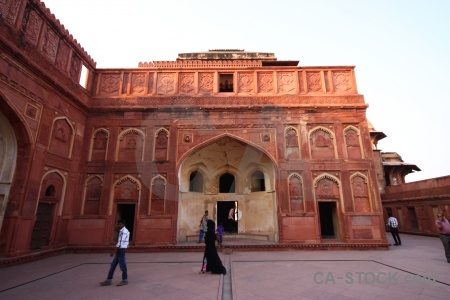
{"points": [[227, 215], [328, 220], [43, 227], [125, 212]]}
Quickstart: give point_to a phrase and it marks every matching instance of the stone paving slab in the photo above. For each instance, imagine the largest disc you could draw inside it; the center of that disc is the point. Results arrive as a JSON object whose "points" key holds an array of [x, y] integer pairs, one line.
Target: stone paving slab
{"points": [[416, 270]]}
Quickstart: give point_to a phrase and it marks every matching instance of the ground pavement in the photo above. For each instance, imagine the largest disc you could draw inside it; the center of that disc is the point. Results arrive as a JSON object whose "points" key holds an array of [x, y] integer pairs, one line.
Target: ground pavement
{"points": [[416, 270]]}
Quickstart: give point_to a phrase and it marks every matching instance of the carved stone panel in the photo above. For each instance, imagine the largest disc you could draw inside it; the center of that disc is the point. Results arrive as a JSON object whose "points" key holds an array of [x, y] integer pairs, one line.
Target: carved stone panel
{"points": [[314, 81], [186, 83], [75, 68], [286, 83], [50, 44], [245, 83], [360, 194], [342, 82], [109, 84], [265, 82], [352, 143], [205, 83], [322, 146], [61, 138], [296, 194], [137, 83], [10, 9], [33, 26], [93, 194], [166, 84], [62, 56]]}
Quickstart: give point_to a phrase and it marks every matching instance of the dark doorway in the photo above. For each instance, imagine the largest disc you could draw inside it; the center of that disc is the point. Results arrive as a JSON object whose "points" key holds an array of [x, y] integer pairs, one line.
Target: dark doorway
{"points": [[226, 183], [413, 219], [223, 211], [328, 219], [43, 226], [125, 212]]}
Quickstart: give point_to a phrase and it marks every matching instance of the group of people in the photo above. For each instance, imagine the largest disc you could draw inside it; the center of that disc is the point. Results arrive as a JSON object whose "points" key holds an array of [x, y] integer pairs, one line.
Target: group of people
{"points": [[211, 261], [442, 225]]}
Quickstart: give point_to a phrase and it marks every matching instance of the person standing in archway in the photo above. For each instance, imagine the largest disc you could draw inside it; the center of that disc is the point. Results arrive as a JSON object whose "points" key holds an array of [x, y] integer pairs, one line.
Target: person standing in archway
{"points": [[203, 225]]}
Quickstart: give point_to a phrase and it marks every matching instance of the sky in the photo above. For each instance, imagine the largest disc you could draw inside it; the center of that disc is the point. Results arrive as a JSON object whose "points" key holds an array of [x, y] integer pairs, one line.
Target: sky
{"points": [[401, 50]]}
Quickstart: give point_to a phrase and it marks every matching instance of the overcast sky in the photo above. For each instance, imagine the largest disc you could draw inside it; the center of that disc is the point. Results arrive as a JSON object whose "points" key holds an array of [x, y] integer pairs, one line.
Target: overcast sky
{"points": [[400, 49]]}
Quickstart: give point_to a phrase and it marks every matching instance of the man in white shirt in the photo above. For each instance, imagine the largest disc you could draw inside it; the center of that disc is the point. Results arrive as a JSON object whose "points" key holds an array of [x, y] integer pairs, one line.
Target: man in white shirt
{"points": [[393, 224], [119, 256]]}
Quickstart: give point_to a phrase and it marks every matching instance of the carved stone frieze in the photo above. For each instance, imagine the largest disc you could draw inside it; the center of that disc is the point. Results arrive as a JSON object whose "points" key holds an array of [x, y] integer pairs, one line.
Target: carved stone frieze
{"points": [[342, 81], [50, 44], [265, 82], [205, 82], [32, 26], [186, 83], [246, 83], [166, 84], [197, 64], [75, 68], [286, 82], [62, 56], [314, 81], [109, 84], [137, 83], [58, 161], [9, 10]]}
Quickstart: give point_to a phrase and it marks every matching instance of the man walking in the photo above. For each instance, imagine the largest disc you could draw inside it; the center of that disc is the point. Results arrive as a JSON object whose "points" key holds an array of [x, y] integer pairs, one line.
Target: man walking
{"points": [[393, 224], [119, 256], [443, 226]]}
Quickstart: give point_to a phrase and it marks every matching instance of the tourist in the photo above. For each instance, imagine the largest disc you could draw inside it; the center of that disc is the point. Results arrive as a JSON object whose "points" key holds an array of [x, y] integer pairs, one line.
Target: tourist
{"points": [[443, 226], [119, 256], [213, 262], [203, 226], [219, 232], [393, 224]]}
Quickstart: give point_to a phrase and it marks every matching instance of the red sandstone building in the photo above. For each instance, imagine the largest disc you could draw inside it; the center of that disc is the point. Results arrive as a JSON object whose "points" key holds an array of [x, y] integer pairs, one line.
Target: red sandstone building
{"points": [[288, 147]]}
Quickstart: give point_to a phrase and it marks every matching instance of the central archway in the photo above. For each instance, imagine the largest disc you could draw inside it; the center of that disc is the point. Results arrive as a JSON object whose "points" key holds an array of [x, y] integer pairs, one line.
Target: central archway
{"points": [[246, 170]]}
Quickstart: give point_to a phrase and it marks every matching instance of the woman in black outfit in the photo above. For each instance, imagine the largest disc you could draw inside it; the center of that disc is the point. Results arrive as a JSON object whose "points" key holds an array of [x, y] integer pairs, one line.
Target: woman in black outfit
{"points": [[214, 264]]}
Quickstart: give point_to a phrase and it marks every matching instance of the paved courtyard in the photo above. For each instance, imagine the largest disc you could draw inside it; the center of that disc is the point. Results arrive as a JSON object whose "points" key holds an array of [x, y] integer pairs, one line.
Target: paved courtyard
{"points": [[416, 270]]}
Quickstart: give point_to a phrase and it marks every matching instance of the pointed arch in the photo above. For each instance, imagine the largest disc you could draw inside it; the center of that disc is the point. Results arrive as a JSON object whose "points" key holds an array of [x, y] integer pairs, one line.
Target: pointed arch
{"points": [[132, 192], [291, 142], [322, 143], [328, 188], [61, 142], [161, 142], [353, 142], [296, 193], [130, 148], [98, 149], [360, 192], [92, 195], [62, 195], [158, 195]]}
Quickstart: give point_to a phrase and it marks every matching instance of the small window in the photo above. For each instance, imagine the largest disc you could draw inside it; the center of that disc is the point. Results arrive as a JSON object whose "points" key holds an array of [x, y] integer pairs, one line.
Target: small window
{"points": [[50, 191], [196, 182], [226, 183], [226, 83], [258, 184]]}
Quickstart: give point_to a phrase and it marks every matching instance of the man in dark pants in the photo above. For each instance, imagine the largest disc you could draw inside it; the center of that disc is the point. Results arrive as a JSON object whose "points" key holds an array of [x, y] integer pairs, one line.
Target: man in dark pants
{"points": [[119, 256], [393, 224], [443, 226]]}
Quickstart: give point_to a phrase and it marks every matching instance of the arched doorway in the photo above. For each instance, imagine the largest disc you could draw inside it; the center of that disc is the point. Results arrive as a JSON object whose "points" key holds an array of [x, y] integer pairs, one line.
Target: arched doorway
{"points": [[221, 172], [8, 157]]}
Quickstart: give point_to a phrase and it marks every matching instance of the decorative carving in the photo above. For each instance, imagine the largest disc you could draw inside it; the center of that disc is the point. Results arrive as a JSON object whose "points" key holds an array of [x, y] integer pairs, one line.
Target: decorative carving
{"points": [[166, 83], [314, 81], [186, 85], [197, 64], [187, 138], [33, 23], [342, 81], [265, 82], [75, 68], [245, 82], [296, 193], [62, 56], [31, 111], [137, 83], [206, 81], [9, 10], [110, 84], [286, 82], [126, 79], [50, 44], [151, 77]]}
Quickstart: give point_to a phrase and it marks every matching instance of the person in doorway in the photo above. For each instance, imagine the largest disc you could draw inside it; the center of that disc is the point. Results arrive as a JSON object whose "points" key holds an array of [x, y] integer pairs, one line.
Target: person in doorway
{"points": [[219, 232], [119, 256], [203, 226], [443, 226], [231, 221], [213, 262], [393, 224]]}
